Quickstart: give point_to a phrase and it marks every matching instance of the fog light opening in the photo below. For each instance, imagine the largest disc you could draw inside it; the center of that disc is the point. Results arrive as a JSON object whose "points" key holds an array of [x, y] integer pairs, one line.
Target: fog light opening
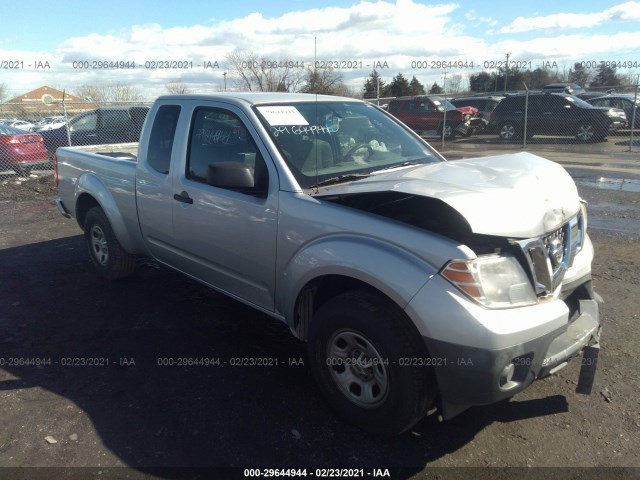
{"points": [[506, 382]]}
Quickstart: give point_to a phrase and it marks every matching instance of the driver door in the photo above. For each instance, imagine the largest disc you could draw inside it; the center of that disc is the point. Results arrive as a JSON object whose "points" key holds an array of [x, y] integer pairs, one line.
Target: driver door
{"points": [[226, 236]]}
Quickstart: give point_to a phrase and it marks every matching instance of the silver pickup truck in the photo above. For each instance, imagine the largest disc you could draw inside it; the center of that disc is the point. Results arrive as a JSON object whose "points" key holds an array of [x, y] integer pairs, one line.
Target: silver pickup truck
{"points": [[419, 284]]}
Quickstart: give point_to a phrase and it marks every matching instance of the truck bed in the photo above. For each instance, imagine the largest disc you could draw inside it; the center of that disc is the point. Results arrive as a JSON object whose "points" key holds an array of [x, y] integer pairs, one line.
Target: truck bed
{"points": [[122, 151], [107, 172]]}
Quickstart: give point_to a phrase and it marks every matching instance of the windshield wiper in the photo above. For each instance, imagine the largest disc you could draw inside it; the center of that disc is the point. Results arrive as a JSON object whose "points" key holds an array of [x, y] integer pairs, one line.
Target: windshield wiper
{"points": [[339, 179], [408, 163]]}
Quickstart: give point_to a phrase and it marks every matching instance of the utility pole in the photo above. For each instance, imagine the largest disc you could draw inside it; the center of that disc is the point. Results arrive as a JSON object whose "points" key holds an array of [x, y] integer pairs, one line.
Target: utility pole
{"points": [[444, 118], [224, 74], [506, 75]]}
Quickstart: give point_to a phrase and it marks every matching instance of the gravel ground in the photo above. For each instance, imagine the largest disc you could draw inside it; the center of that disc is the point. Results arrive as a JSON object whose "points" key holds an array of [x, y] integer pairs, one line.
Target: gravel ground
{"points": [[128, 414]]}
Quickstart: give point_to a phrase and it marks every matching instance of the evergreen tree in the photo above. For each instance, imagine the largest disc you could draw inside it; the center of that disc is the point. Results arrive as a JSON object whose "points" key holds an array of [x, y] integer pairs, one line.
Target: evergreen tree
{"points": [[580, 75], [398, 87], [435, 88], [371, 86], [606, 77], [482, 82], [537, 79], [415, 87]]}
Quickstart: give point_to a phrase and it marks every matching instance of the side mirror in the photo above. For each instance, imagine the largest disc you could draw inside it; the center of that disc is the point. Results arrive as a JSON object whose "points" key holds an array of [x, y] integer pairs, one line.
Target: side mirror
{"points": [[230, 175]]}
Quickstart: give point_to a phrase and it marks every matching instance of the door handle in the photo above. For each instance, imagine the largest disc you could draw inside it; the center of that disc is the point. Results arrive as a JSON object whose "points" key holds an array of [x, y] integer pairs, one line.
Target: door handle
{"points": [[183, 197]]}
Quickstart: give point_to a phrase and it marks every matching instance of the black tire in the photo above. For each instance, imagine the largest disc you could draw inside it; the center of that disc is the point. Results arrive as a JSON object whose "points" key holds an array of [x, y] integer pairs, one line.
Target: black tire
{"points": [[509, 131], [106, 253], [359, 339], [24, 171], [449, 131]]}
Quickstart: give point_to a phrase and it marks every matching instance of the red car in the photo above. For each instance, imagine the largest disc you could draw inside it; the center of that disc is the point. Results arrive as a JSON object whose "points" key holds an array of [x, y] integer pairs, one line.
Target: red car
{"points": [[21, 151], [426, 113]]}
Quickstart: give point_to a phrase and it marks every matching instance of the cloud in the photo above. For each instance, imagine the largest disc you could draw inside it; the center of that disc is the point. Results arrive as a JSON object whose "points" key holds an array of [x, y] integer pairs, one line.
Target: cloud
{"points": [[395, 33], [624, 12], [475, 19]]}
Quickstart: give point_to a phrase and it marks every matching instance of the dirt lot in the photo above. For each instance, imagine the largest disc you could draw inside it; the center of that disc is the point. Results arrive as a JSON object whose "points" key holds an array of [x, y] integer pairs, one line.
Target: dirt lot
{"points": [[130, 410]]}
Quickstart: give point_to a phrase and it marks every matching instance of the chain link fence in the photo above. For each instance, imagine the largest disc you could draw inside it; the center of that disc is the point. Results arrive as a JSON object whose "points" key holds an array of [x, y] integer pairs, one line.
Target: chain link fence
{"points": [[30, 133], [552, 116]]}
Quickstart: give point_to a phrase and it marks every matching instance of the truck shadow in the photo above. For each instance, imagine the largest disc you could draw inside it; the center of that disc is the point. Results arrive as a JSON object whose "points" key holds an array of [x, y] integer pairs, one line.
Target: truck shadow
{"points": [[171, 374]]}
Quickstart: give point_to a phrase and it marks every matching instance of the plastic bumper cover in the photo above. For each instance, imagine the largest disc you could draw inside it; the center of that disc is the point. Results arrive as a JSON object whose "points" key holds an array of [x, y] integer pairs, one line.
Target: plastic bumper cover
{"points": [[469, 376]]}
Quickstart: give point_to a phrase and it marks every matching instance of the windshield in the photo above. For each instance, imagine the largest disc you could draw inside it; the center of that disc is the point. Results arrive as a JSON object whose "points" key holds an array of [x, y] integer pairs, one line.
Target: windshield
{"points": [[328, 140], [579, 102], [441, 104]]}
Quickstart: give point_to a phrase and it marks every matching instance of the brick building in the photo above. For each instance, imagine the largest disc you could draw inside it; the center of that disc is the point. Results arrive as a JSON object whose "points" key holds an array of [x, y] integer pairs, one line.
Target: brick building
{"points": [[41, 102]]}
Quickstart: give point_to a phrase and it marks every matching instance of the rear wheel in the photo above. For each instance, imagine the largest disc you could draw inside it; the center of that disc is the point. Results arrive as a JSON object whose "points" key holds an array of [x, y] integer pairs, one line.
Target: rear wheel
{"points": [[24, 171], [508, 131], [106, 253], [360, 349]]}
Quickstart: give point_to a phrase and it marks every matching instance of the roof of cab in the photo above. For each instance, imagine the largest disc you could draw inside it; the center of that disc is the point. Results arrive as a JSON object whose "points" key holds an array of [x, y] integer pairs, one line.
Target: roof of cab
{"points": [[255, 98]]}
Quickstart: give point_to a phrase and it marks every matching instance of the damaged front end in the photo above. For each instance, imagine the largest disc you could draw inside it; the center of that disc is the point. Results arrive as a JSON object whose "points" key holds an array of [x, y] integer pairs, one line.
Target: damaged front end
{"points": [[513, 286]]}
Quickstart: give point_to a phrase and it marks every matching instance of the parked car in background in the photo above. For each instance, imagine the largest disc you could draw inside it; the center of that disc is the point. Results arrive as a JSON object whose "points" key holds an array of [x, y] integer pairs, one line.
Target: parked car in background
{"points": [[49, 123], [565, 87], [586, 96], [427, 113], [21, 151], [627, 102], [484, 104], [551, 113], [101, 126], [20, 124]]}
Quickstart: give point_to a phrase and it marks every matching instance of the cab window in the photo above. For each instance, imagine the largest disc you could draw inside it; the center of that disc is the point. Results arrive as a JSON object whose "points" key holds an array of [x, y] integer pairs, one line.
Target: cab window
{"points": [[161, 138]]}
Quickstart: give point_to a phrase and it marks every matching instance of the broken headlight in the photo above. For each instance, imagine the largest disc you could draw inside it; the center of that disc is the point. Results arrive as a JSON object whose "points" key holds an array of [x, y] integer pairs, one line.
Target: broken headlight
{"points": [[494, 281]]}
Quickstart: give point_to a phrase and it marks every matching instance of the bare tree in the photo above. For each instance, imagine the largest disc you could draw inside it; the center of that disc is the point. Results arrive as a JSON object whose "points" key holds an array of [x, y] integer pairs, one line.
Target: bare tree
{"points": [[454, 84], [259, 74], [109, 93], [3, 91], [177, 87], [323, 81]]}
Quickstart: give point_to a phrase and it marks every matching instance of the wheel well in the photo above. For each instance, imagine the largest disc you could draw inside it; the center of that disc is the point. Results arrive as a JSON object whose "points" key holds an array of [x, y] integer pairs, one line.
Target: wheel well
{"points": [[318, 291], [85, 203]]}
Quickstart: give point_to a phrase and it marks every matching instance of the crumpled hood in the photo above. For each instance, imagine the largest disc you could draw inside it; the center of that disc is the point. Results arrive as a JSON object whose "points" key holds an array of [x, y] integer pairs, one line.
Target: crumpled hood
{"points": [[514, 195]]}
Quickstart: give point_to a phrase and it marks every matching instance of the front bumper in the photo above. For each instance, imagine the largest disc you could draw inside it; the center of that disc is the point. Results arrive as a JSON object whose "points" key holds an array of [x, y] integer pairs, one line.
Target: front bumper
{"points": [[470, 125], [502, 363]]}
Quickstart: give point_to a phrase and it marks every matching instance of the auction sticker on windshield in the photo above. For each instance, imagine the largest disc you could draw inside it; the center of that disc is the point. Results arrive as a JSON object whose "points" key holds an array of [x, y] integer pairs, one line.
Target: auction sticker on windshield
{"points": [[282, 115]]}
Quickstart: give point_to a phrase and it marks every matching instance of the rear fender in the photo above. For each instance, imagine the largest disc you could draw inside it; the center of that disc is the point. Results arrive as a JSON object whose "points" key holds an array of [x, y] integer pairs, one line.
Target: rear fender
{"points": [[89, 184]]}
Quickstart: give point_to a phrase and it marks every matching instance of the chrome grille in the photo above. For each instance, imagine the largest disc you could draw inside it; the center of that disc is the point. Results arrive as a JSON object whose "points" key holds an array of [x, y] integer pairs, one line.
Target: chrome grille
{"points": [[549, 257], [556, 246]]}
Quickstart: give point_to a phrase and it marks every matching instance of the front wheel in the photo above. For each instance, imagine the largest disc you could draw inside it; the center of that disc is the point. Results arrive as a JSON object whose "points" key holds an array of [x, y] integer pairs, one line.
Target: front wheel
{"points": [[449, 131], [586, 133], [106, 253], [361, 349]]}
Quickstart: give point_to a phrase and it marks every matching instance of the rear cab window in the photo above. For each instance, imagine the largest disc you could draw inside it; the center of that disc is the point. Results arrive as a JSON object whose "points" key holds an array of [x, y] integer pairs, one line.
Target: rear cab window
{"points": [[162, 137]]}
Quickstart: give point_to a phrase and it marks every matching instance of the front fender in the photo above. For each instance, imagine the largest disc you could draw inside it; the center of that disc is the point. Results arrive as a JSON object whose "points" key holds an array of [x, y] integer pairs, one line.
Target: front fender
{"points": [[390, 269], [90, 184]]}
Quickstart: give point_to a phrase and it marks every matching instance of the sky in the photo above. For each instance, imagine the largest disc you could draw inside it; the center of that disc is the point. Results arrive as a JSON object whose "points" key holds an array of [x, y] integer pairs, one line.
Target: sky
{"points": [[61, 44]]}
